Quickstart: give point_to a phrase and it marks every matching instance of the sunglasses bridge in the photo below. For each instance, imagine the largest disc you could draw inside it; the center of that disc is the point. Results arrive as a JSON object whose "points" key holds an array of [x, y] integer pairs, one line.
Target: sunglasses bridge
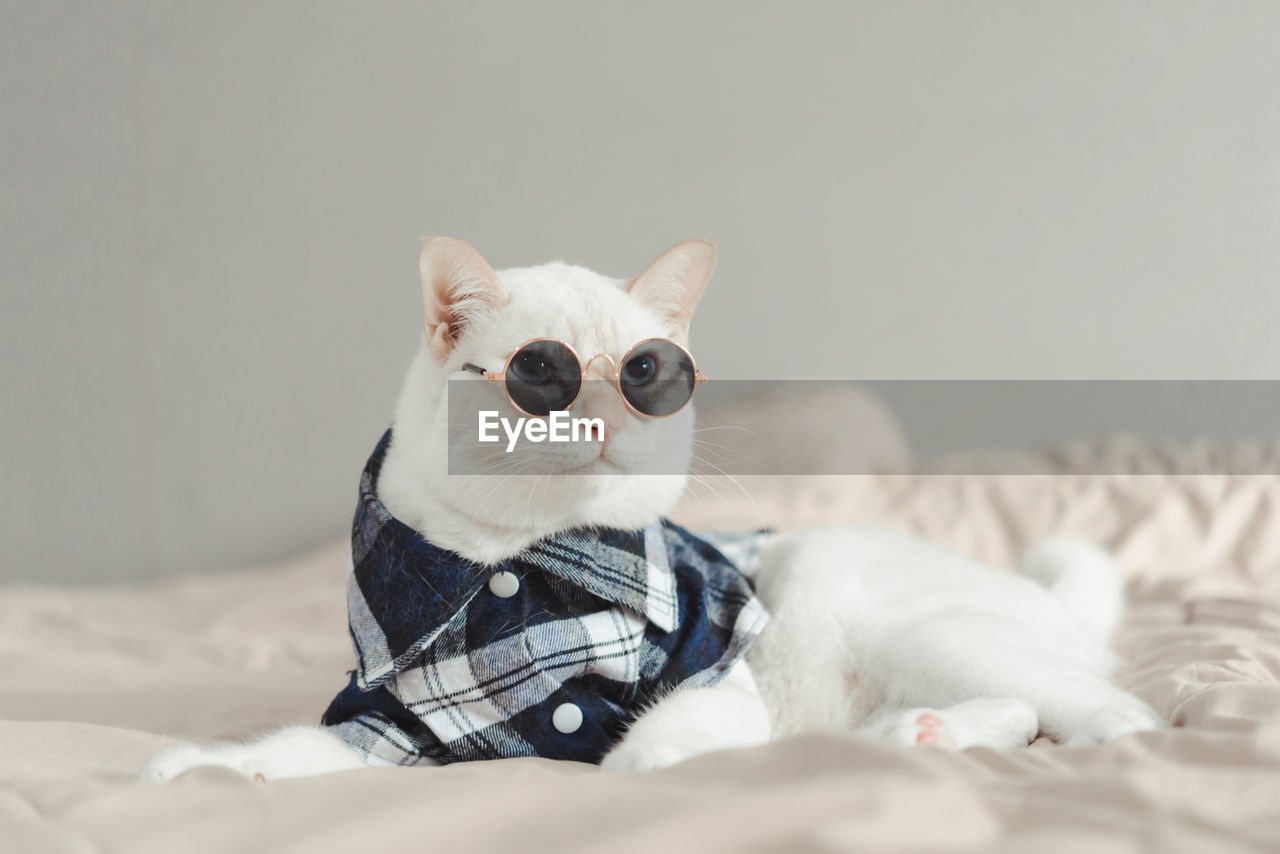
{"points": [[614, 370]]}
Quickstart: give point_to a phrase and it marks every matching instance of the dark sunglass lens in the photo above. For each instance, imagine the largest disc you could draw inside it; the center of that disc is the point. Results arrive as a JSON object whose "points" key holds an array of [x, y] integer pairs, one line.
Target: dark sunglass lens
{"points": [[657, 378], [544, 377]]}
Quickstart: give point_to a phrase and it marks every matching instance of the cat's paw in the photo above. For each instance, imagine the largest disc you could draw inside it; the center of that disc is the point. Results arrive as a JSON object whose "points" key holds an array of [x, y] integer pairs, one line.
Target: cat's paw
{"points": [[997, 723], [168, 764], [912, 726], [1114, 720], [647, 750], [626, 758], [296, 751]]}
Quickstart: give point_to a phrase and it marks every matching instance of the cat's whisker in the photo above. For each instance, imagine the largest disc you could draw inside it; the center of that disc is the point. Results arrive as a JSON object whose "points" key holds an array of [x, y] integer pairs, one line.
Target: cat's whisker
{"points": [[506, 463], [518, 470], [726, 427], [701, 481], [745, 492], [705, 481], [701, 503], [499, 467], [532, 490], [723, 450]]}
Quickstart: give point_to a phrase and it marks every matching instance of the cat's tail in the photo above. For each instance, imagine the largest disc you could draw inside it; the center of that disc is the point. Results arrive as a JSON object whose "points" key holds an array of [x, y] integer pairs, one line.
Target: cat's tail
{"points": [[1083, 578]]}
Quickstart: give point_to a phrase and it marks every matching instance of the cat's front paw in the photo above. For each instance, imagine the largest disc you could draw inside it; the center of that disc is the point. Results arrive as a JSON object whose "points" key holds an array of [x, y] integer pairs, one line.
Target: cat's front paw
{"points": [[642, 757], [1125, 715], [297, 751], [998, 723], [650, 751], [168, 764]]}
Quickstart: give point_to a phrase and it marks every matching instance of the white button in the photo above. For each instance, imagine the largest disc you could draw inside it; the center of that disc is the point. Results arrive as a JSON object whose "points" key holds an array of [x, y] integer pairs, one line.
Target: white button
{"points": [[567, 718], [504, 584]]}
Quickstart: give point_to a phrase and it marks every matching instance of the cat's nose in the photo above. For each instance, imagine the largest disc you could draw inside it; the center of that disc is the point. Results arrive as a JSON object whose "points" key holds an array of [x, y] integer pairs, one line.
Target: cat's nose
{"points": [[601, 400], [602, 430]]}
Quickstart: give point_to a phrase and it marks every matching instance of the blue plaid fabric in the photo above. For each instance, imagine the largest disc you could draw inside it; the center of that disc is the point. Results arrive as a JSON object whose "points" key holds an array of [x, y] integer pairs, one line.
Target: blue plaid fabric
{"points": [[601, 622]]}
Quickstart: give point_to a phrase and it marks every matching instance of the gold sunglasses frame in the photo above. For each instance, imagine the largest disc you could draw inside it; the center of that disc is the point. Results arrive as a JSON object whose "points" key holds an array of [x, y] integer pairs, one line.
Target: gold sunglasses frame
{"points": [[616, 376]]}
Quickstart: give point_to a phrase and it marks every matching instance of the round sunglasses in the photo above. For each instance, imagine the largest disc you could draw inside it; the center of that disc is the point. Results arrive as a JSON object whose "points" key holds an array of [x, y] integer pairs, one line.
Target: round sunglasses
{"points": [[656, 377]]}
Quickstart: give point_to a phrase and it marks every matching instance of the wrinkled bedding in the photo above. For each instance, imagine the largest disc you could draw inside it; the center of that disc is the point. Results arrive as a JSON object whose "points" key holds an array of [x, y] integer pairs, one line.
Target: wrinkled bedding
{"points": [[94, 680]]}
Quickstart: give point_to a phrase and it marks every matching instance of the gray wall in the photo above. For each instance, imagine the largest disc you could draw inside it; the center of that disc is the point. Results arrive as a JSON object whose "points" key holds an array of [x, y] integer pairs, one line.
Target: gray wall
{"points": [[210, 218]]}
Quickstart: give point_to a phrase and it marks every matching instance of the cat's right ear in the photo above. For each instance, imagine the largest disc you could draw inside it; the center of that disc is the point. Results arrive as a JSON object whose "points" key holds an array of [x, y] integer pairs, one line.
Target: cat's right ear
{"points": [[674, 283], [457, 287]]}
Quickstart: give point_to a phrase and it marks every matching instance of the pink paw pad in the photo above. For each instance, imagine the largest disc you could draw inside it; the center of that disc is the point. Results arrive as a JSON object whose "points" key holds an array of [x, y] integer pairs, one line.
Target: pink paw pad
{"points": [[932, 731]]}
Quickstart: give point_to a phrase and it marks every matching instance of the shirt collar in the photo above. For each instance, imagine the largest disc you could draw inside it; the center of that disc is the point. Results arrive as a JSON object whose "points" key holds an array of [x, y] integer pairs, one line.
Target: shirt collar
{"points": [[627, 568]]}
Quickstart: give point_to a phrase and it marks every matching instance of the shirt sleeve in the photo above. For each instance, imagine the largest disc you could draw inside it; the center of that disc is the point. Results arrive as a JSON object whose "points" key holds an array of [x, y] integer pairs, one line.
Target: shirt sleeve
{"points": [[379, 728]]}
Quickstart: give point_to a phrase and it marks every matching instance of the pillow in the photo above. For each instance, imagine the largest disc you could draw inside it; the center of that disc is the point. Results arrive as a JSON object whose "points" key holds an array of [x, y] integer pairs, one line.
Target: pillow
{"points": [[799, 427]]}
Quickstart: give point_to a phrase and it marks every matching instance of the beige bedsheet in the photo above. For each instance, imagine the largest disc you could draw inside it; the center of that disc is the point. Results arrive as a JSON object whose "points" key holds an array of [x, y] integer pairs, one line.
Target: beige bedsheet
{"points": [[92, 681]]}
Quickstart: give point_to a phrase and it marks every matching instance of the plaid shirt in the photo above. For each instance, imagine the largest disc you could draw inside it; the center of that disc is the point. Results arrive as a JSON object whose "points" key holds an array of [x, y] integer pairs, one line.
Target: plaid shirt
{"points": [[552, 660]]}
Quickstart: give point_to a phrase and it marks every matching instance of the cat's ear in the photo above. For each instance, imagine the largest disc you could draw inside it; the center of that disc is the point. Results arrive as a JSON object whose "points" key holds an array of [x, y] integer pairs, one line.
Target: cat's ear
{"points": [[674, 283], [458, 286]]}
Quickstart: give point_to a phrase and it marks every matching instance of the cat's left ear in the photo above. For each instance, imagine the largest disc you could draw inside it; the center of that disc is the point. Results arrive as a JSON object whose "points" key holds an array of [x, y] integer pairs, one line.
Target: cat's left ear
{"points": [[674, 283]]}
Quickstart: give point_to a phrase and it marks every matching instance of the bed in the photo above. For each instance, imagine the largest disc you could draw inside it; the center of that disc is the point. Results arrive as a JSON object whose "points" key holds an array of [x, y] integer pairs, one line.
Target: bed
{"points": [[95, 680]]}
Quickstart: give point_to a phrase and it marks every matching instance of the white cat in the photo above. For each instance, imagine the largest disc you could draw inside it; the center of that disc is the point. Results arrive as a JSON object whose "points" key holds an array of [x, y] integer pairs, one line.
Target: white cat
{"points": [[869, 631]]}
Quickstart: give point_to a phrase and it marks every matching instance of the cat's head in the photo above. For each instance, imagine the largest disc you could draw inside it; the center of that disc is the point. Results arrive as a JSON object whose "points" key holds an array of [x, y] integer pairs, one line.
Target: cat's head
{"points": [[475, 315]]}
